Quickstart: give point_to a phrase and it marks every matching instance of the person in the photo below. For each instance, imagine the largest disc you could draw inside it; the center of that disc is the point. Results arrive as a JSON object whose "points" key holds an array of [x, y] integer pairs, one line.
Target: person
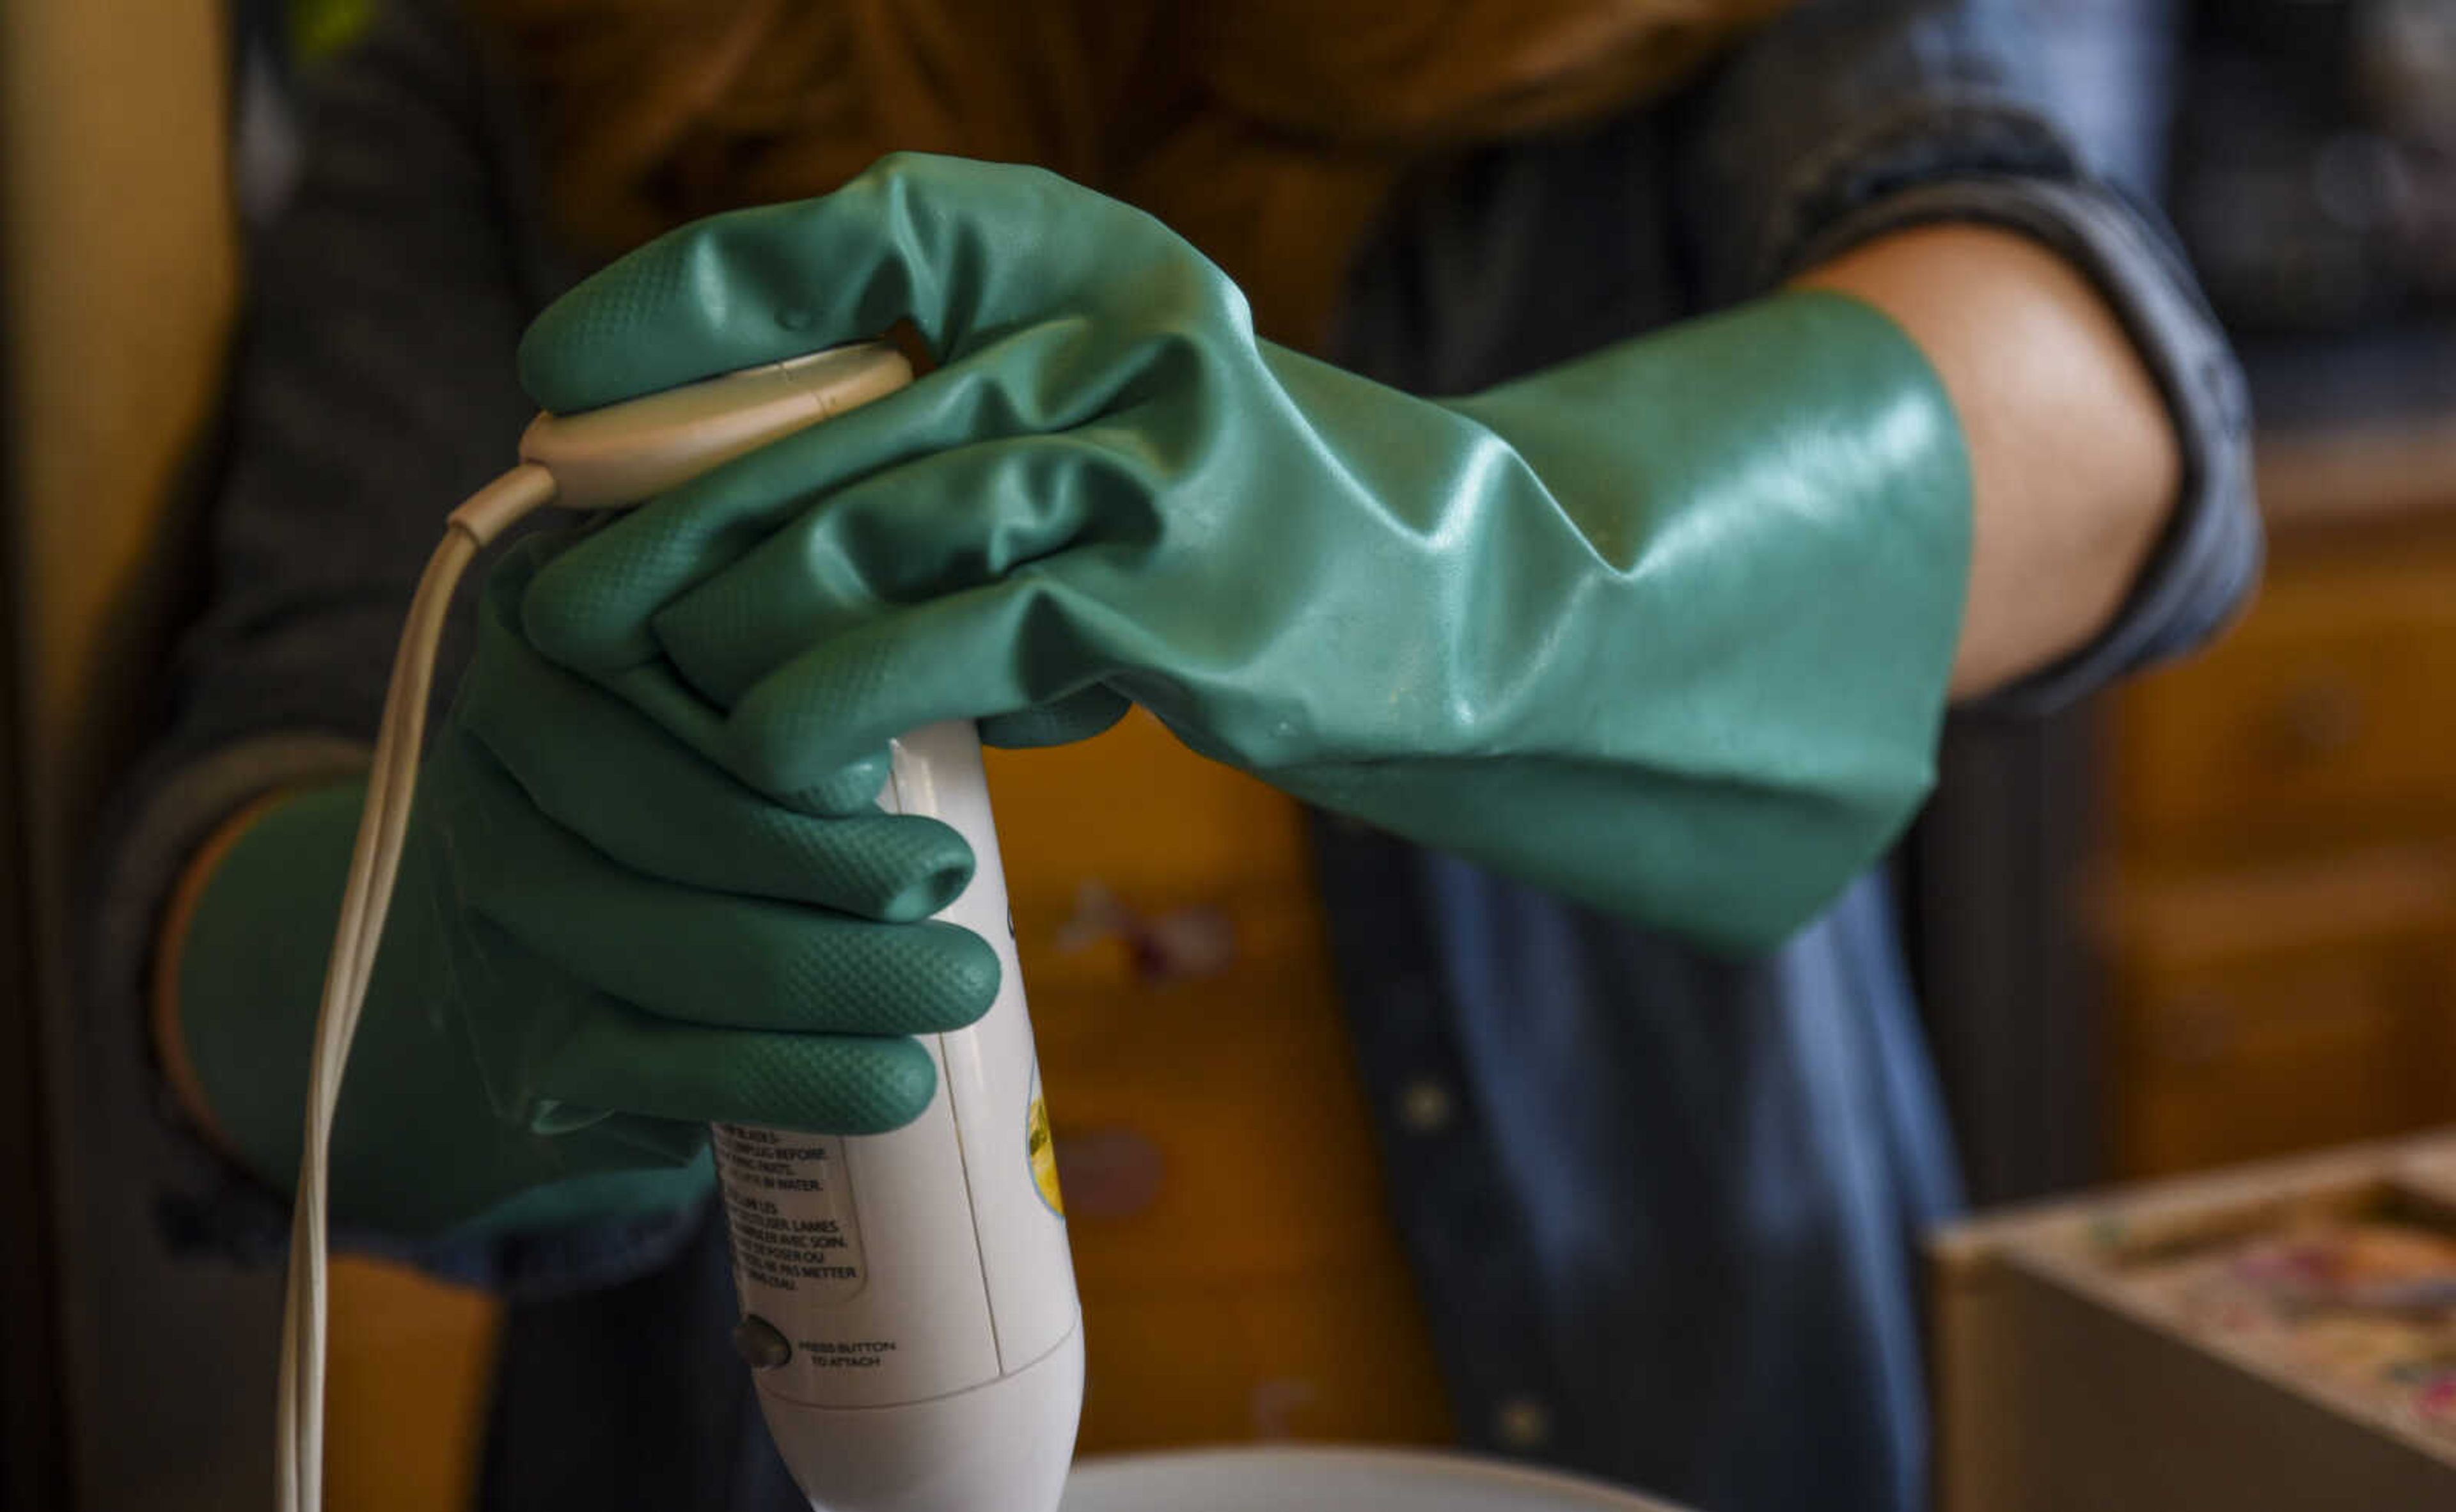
{"points": [[1577, 451]]}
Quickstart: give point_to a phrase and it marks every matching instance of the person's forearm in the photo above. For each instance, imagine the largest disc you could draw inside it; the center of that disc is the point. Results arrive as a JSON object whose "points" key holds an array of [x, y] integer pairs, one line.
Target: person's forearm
{"points": [[2074, 460]]}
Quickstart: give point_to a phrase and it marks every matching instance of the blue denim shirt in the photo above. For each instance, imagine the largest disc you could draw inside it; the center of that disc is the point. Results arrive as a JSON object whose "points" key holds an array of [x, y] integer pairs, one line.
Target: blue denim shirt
{"points": [[1663, 1207]]}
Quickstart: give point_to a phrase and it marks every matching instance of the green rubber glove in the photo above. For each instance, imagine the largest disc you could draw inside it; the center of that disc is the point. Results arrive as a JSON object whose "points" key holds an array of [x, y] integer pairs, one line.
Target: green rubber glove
{"points": [[1666, 629], [599, 943]]}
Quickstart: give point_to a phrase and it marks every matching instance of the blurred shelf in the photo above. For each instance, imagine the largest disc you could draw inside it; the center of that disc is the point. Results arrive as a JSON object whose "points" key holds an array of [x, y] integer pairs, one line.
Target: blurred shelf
{"points": [[2355, 473], [2276, 903]]}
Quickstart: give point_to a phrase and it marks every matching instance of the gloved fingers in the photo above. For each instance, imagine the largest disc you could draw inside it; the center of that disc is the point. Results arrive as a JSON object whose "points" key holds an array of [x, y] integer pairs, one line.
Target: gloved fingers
{"points": [[650, 685], [591, 605], [1075, 717], [1024, 642], [948, 522], [851, 786], [965, 250], [609, 774], [705, 958], [618, 1057]]}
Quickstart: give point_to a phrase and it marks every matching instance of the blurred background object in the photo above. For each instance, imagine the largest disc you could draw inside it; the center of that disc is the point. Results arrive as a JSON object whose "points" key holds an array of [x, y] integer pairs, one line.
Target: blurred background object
{"points": [[2266, 1340], [2266, 844], [118, 257], [142, 137], [2278, 860], [2314, 166], [2210, 918]]}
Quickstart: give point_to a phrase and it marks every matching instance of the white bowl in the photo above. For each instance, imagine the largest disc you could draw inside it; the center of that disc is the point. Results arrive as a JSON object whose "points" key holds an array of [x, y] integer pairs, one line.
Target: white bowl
{"points": [[1296, 1479]]}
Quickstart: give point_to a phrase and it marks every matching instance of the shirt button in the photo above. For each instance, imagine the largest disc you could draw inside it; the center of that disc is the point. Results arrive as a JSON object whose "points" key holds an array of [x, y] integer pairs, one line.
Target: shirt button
{"points": [[1425, 1107], [1522, 1424]]}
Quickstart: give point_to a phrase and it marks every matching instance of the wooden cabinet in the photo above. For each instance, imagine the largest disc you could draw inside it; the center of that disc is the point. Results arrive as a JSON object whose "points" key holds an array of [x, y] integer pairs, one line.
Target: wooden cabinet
{"points": [[2284, 1005], [2278, 908], [2328, 714]]}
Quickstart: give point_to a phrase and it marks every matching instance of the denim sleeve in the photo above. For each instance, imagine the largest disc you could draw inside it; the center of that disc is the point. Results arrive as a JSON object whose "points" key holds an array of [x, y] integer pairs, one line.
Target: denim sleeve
{"points": [[1847, 119], [371, 388]]}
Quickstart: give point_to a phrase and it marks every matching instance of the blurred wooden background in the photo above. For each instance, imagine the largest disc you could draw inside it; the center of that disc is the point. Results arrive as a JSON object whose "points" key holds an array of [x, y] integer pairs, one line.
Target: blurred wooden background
{"points": [[2279, 907], [120, 265]]}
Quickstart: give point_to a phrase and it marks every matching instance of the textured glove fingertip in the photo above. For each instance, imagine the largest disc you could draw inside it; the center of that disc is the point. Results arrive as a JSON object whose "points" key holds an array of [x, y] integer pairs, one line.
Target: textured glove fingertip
{"points": [[855, 1086], [908, 1082], [962, 982], [936, 867], [587, 348], [848, 789]]}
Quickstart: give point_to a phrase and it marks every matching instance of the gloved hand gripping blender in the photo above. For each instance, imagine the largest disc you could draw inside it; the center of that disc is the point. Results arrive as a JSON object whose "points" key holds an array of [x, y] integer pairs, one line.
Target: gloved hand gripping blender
{"points": [[910, 1299], [1665, 628]]}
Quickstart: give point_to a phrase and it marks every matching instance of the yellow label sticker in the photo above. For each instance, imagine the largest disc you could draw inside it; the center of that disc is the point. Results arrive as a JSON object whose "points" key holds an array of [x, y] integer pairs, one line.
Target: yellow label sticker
{"points": [[1043, 1150]]}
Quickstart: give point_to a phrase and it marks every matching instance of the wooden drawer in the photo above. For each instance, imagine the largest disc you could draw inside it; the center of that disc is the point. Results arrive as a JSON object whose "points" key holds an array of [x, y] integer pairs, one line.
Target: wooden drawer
{"points": [[2262, 1060], [2269, 1011], [2329, 716]]}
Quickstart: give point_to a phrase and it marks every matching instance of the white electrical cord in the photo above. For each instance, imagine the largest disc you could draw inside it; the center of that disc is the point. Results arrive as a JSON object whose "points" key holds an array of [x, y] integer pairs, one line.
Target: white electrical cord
{"points": [[374, 863]]}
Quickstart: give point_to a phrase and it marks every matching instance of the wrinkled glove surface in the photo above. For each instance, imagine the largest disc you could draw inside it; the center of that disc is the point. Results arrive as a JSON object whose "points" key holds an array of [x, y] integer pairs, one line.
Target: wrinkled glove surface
{"points": [[1666, 629]]}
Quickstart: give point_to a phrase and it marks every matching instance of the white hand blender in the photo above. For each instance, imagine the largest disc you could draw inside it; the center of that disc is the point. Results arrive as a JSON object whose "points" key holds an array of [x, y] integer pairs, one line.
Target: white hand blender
{"points": [[909, 1299]]}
